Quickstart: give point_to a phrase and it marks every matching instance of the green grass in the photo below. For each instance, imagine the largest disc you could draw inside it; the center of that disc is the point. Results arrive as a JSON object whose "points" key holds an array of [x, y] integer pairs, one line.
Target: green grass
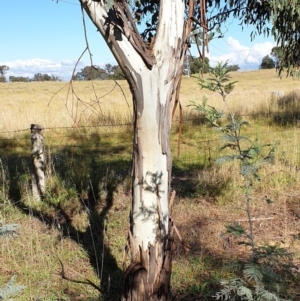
{"points": [[83, 220]]}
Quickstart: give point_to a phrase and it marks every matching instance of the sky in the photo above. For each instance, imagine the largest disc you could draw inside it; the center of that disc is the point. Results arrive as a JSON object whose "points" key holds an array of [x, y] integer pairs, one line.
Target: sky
{"points": [[47, 36]]}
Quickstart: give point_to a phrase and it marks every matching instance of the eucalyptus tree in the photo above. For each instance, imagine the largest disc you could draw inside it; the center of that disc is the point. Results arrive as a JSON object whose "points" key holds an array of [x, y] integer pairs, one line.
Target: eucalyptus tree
{"points": [[152, 63], [3, 70], [267, 63]]}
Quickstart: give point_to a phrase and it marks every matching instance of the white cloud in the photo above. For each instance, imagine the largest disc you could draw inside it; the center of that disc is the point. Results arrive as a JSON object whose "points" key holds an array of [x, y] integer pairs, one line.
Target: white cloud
{"points": [[246, 57], [29, 67]]}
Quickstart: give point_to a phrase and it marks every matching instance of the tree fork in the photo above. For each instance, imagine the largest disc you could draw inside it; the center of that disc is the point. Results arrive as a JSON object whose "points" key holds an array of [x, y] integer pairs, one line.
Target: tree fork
{"points": [[153, 81]]}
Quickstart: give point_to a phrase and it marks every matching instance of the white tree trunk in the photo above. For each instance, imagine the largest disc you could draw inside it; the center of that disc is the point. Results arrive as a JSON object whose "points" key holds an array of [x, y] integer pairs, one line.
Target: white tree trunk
{"points": [[153, 76], [148, 277], [152, 166]]}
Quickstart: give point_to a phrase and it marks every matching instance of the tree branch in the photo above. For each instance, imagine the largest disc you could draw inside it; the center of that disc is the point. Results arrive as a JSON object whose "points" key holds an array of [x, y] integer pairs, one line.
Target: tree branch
{"points": [[86, 281]]}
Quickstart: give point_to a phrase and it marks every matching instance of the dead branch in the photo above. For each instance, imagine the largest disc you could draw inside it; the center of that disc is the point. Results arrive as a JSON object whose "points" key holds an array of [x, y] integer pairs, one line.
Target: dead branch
{"points": [[86, 281]]}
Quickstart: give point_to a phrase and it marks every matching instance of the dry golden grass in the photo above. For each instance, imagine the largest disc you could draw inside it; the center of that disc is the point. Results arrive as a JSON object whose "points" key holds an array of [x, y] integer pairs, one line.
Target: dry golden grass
{"points": [[252, 92], [53, 105], [33, 257]]}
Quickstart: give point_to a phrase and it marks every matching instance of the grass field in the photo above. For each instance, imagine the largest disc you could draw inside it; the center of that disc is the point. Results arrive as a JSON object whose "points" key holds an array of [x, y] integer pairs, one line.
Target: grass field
{"points": [[52, 104], [83, 221]]}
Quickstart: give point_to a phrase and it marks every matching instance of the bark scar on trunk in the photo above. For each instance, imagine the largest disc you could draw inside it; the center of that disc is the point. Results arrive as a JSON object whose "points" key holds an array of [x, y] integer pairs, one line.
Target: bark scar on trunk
{"points": [[135, 274]]}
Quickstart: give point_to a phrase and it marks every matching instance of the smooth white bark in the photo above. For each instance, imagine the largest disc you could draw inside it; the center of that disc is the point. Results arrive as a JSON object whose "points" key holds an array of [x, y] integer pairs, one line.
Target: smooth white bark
{"points": [[153, 89], [150, 198], [151, 213]]}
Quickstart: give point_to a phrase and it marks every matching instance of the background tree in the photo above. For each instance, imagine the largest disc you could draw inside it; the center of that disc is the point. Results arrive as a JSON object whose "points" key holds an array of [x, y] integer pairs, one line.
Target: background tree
{"points": [[41, 77], [18, 78], [109, 68], [91, 73], [96, 73], [196, 65], [152, 63], [201, 37], [233, 67], [117, 73], [267, 63], [3, 70], [277, 54], [286, 24]]}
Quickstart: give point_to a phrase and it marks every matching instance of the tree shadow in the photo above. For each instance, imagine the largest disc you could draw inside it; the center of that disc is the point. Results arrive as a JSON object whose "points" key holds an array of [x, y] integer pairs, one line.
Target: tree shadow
{"points": [[288, 109], [89, 181], [188, 181], [284, 110], [216, 254], [91, 176]]}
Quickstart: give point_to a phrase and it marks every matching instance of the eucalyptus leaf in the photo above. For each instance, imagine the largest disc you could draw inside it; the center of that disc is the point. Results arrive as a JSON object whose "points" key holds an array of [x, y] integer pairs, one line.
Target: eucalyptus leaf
{"points": [[236, 229]]}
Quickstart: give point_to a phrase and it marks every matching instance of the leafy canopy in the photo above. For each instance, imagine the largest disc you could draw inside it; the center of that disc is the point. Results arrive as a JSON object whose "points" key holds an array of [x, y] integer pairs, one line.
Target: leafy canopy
{"points": [[280, 18], [267, 63]]}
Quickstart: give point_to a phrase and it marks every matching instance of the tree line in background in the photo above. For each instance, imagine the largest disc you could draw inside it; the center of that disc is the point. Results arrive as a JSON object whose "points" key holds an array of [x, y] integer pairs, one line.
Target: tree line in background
{"points": [[87, 73], [96, 73], [36, 77], [193, 65]]}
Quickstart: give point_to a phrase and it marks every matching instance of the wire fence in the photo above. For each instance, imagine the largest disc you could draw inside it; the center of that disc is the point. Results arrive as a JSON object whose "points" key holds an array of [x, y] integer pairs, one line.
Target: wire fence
{"points": [[88, 152], [52, 133], [194, 120], [91, 137]]}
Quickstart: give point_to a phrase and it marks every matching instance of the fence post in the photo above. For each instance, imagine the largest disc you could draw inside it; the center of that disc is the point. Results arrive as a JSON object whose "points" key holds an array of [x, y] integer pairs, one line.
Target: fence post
{"points": [[38, 161]]}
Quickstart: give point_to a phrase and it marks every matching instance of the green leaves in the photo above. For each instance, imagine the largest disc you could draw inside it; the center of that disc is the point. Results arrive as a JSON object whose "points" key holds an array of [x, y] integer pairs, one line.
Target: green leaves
{"points": [[285, 20], [235, 289], [210, 113], [218, 82], [252, 272], [280, 18], [259, 280], [251, 154], [235, 229]]}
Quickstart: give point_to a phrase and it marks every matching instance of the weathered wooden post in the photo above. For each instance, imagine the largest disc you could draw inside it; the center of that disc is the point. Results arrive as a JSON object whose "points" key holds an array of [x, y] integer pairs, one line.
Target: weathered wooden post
{"points": [[38, 161]]}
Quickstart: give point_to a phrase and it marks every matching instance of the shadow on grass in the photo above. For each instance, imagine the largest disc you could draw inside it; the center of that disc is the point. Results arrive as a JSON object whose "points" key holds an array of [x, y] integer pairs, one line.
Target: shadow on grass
{"points": [[283, 111], [88, 179], [191, 181], [288, 109]]}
